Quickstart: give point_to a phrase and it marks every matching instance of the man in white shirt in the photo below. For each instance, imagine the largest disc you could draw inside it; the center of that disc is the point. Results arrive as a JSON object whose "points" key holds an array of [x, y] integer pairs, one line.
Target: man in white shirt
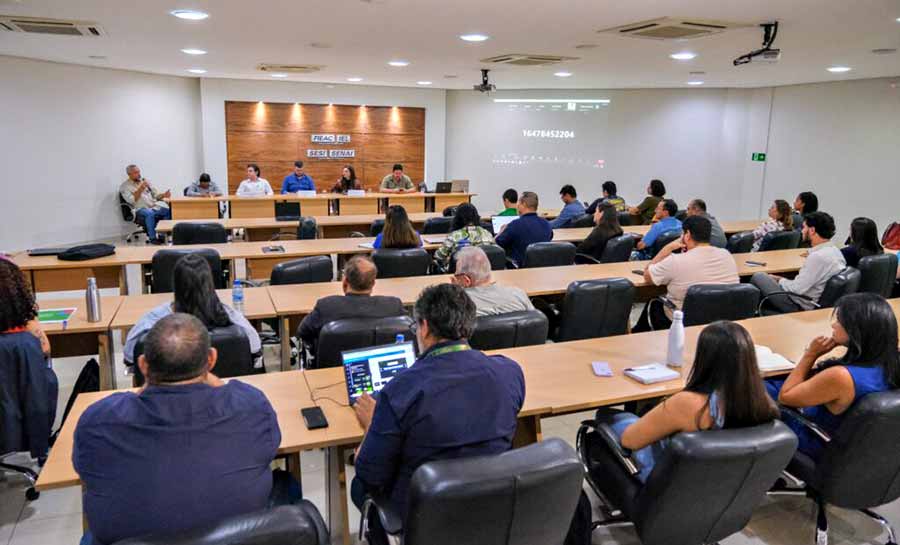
{"points": [[473, 272], [254, 186], [698, 263], [825, 260], [148, 203]]}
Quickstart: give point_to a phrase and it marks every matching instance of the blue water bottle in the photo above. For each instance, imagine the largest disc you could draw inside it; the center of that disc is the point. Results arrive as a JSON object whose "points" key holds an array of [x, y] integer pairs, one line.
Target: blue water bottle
{"points": [[237, 296], [399, 338]]}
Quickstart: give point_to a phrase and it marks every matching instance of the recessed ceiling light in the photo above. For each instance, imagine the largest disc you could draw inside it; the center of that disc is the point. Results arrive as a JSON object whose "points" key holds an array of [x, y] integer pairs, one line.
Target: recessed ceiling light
{"points": [[279, 75], [683, 56], [898, 19], [191, 51], [190, 14], [474, 37], [839, 69], [695, 82], [196, 70], [562, 74], [423, 83], [354, 80], [399, 63]]}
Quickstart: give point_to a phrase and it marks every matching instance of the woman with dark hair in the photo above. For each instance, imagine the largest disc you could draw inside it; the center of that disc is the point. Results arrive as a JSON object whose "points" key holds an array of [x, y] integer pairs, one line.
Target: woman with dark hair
{"points": [[18, 309], [780, 219], [863, 241], [656, 191], [723, 390], [398, 232], [465, 230], [347, 181], [606, 220], [865, 324], [195, 294]]}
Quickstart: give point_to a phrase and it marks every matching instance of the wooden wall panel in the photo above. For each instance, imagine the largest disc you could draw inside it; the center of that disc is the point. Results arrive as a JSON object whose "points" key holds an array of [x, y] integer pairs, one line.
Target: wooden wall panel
{"points": [[394, 148], [252, 147]]}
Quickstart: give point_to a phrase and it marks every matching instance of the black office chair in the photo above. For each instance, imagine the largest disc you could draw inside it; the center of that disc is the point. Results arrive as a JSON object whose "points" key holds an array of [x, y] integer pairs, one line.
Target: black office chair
{"points": [[740, 243], [341, 335], [707, 303], [780, 240], [129, 215], [394, 263], [198, 233], [859, 467], [495, 254], [437, 226], [617, 250], [489, 227], [624, 218], [704, 487], [595, 308], [299, 524], [307, 229], [585, 220], [521, 328], [525, 496], [843, 283], [376, 228], [681, 215], [164, 264], [878, 274], [664, 239], [317, 268], [549, 254], [449, 212]]}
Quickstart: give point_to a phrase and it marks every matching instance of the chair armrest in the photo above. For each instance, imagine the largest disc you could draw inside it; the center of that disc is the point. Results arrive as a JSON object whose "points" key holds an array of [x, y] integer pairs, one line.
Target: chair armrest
{"points": [[806, 422], [587, 257], [387, 514], [608, 436], [787, 294]]}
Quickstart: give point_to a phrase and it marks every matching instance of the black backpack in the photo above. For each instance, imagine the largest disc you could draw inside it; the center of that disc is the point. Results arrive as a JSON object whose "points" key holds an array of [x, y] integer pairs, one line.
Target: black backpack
{"points": [[87, 251], [88, 381]]}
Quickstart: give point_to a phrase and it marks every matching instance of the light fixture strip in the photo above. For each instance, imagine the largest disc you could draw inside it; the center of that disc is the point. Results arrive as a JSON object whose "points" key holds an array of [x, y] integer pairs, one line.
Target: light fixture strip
{"points": [[553, 100]]}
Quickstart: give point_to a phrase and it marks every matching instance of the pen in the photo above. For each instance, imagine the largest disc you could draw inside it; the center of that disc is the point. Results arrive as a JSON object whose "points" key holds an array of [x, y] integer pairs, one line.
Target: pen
{"points": [[65, 324]]}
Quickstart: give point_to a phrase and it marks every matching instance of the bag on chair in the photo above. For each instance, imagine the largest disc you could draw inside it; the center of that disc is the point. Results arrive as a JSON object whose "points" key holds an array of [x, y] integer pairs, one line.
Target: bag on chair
{"points": [[891, 238], [88, 381]]}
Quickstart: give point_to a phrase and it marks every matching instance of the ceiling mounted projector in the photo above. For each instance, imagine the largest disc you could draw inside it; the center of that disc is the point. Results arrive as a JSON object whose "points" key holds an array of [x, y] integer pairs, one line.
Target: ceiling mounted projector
{"points": [[486, 86]]}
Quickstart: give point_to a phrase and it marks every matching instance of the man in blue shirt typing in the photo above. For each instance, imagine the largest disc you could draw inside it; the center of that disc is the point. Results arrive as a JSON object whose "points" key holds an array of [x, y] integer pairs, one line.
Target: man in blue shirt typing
{"points": [[572, 208], [454, 402], [297, 180], [529, 228], [186, 451], [666, 222]]}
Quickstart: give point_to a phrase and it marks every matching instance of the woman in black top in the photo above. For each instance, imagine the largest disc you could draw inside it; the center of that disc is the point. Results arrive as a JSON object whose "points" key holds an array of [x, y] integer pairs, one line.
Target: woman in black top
{"points": [[606, 219], [863, 241], [347, 181]]}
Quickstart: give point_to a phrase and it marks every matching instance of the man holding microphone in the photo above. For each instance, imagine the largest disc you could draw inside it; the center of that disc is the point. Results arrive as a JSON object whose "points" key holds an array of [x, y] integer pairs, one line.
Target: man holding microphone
{"points": [[149, 204]]}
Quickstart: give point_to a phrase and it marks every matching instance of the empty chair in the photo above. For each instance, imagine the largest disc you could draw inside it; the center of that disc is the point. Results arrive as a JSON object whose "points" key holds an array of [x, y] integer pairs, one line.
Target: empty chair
{"points": [[307, 229], [376, 228], [618, 249], [525, 496], [199, 233], [164, 264], [843, 283], [522, 328], [341, 335], [394, 262], [595, 308], [549, 254], [495, 255], [586, 220], [624, 218], [740, 243], [878, 274], [437, 226], [317, 268], [780, 240], [664, 239], [706, 303]]}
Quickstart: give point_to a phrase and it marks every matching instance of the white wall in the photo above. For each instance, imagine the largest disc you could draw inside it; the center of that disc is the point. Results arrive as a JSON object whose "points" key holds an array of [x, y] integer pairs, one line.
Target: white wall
{"points": [[66, 135]]}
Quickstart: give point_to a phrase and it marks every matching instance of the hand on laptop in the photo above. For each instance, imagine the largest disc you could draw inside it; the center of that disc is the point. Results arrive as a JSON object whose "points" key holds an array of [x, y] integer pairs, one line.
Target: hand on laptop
{"points": [[364, 409]]}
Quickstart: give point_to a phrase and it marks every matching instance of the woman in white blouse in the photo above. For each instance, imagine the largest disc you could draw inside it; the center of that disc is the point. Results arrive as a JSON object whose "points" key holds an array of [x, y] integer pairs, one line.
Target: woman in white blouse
{"points": [[780, 219], [254, 186]]}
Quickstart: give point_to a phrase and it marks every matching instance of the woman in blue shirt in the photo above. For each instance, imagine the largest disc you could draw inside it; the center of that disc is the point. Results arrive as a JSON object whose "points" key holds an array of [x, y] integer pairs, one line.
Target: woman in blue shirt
{"points": [[398, 232]]}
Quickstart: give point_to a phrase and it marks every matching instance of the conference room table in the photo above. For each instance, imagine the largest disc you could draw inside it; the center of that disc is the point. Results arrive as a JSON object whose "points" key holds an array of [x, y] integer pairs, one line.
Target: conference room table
{"points": [[558, 380]]}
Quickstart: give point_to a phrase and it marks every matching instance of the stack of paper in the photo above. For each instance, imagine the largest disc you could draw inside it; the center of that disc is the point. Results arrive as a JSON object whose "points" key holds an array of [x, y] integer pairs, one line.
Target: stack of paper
{"points": [[770, 361], [651, 373]]}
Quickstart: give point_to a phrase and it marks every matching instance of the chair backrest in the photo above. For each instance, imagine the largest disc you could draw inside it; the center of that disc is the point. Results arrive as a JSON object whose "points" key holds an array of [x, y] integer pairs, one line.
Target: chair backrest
{"points": [[521, 328], [549, 254], [585, 220], [624, 218], [394, 262], [596, 308], [164, 261], [233, 346], [307, 228], [376, 228], [317, 268], [525, 496], [618, 249], [664, 239], [199, 233], [681, 215], [843, 283], [879, 274], [351, 333], [780, 240], [299, 524], [860, 468], [125, 208], [706, 303], [449, 211], [740, 243], [437, 226], [495, 254]]}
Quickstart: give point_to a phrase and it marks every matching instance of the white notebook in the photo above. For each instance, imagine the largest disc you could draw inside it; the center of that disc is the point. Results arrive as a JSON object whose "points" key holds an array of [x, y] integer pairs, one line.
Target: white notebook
{"points": [[770, 361], [369, 245], [434, 239], [651, 373]]}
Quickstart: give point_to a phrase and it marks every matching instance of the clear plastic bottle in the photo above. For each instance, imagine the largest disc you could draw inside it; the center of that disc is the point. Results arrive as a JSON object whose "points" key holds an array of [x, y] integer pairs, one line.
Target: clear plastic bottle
{"points": [[675, 355], [237, 296], [400, 338]]}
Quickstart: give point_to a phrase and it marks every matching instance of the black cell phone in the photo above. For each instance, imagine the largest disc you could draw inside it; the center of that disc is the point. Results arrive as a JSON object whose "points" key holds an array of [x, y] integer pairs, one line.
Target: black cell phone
{"points": [[755, 263], [638, 272], [314, 418], [273, 249]]}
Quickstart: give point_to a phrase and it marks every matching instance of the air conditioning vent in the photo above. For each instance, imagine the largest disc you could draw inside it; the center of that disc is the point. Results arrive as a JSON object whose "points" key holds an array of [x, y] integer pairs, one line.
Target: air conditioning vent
{"points": [[671, 28], [59, 27], [519, 59], [290, 68]]}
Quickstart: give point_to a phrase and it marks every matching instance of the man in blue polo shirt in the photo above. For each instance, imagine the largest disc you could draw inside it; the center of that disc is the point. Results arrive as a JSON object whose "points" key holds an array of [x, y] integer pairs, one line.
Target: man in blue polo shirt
{"points": [[666, 222], [529, 228], [572, 208], [297, 180]]}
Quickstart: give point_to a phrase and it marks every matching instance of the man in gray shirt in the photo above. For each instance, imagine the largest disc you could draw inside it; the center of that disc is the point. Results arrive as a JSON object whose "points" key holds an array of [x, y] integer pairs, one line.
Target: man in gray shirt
{"points": [[149, 205], [473, 272], [203, 187], [697, 207]]}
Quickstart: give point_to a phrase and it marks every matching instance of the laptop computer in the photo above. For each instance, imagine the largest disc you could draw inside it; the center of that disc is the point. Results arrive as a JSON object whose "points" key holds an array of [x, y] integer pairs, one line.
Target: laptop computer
{"points": [[443, 187], [368, 370], [287, 211], [46, 251], [497, 222], [460, 186]]}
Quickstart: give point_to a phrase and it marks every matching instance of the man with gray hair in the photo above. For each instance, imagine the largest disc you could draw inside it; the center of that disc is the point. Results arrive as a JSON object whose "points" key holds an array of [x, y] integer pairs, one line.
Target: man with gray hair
{"points": [[149, 204], [473, 272]]}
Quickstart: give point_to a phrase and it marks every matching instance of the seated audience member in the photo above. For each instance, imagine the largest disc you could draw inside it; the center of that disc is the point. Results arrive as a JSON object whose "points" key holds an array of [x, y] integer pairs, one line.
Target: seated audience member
{"points": [[606, 220], [397, 182], [516, 235], [19, 310], [398, 232], [724, 390], [149, 204], [863, 241], [656, 191], [824, 261], [865, 324], [465, 230], [780, 219], [453, 402], [698, 263], [609, 196], [510, 199], [697, 207], [805, 203], [204, 187], [357, 302], [254, 186], [347, 181], [473, 272], [572, 209], [194, 294], [185, 451], [297, 180], [665, 222]]}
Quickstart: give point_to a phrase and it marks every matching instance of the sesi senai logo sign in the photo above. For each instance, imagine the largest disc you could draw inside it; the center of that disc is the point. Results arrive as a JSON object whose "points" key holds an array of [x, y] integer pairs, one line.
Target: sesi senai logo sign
{"points": [[542, 133]]}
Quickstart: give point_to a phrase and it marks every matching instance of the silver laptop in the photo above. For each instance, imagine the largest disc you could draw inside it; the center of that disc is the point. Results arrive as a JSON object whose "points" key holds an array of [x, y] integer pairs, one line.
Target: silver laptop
{"points": [[459, 186]]}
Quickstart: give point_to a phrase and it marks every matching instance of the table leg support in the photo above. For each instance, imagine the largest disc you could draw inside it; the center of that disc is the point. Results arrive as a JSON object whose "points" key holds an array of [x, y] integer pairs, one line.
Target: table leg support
{"points": [[284, 332], [528, 431], [107, 362], [336, 496], [293, 467]]}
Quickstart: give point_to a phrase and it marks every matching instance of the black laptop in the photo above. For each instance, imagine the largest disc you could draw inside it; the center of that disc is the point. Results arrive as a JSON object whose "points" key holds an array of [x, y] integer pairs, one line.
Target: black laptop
{"points": [[46, 251], [287, 211], [443, 187]]}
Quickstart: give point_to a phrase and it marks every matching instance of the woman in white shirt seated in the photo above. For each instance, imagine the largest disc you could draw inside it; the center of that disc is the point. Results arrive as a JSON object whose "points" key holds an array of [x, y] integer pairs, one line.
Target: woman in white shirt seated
{"points": [[254, 186], [780, 219]]}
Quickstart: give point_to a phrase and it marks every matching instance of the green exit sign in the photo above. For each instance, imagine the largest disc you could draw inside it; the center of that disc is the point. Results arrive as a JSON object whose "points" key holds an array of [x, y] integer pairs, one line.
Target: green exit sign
{"points": [[759, 156]]}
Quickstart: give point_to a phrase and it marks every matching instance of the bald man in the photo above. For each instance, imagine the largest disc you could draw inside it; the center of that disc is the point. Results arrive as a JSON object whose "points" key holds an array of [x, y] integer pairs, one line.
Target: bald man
{"points": [[473, 272]]}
